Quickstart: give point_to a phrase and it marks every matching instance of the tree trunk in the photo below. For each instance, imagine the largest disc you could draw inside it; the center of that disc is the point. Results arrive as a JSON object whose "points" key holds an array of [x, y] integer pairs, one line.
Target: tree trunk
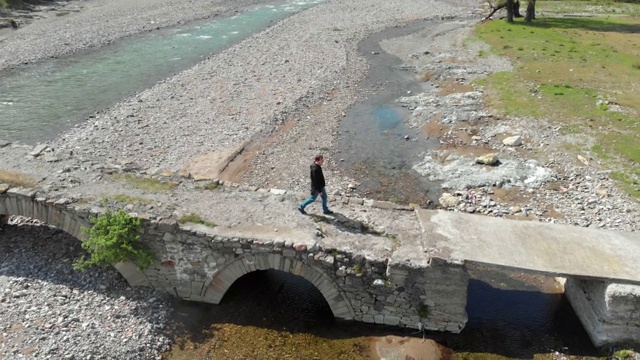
{"points": [[509, 11], [516, 9], [531, 11]]}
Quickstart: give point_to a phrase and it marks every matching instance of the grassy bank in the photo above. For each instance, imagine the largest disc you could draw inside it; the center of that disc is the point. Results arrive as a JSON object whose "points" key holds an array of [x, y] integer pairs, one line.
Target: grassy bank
{"points": [[581, 72]]}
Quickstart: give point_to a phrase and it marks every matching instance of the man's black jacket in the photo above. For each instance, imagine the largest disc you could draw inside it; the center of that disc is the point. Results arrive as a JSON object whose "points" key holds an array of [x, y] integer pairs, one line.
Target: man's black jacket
{"points": [[317, 179]]}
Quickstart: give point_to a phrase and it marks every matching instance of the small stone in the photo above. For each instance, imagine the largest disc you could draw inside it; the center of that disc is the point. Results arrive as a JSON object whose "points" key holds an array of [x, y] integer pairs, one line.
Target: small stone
{"points": [[51, 159], [38, 149], [487, 159], [512, 141], [329, 260]]}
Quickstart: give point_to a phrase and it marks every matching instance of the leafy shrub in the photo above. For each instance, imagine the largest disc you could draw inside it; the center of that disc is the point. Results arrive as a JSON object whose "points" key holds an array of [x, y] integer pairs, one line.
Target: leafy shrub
{"points": [[357, 268], [113, 238]]}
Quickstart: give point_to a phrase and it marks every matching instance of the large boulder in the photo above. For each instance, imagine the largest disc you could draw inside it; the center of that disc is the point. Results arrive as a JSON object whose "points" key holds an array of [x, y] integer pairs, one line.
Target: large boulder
{"points": [[512, 141]]}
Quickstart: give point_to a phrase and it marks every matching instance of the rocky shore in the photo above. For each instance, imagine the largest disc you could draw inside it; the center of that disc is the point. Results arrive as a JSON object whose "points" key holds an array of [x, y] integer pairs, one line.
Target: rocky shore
{"points": [[276, 99]]}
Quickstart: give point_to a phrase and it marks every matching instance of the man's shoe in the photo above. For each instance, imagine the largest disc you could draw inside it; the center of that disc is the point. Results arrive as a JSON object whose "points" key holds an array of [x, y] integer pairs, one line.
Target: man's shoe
{"points": [[328, 212], [302, 211]]}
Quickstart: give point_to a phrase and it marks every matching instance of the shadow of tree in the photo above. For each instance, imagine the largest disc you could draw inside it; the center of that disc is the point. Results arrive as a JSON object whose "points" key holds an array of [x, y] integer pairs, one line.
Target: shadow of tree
{"points": [[590, 24]]}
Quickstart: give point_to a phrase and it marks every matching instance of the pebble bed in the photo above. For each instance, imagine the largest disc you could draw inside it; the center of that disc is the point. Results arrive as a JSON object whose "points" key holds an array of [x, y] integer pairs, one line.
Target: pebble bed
{"points": [[48, 310]]}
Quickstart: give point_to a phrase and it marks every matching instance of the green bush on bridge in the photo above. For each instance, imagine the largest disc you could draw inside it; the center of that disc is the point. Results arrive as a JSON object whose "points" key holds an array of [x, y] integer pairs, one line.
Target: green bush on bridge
{"points": [[114, 238]]}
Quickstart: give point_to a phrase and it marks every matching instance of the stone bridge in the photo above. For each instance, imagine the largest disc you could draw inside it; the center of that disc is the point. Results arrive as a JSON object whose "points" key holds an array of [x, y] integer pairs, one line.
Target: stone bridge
{"points": [[415, 277]]}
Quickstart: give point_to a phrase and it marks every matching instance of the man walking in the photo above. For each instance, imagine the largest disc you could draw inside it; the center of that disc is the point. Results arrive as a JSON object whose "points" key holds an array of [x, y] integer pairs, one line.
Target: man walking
{"points": [[317, 187]]}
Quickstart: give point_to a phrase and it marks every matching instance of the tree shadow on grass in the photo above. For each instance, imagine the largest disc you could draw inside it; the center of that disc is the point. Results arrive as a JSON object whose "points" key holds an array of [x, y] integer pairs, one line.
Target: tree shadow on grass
{"points": [[589, 24]]}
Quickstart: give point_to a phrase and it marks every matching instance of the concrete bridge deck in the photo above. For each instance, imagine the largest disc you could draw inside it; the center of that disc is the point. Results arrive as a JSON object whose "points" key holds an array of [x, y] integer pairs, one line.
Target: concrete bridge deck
{"points": [[551, 249]]}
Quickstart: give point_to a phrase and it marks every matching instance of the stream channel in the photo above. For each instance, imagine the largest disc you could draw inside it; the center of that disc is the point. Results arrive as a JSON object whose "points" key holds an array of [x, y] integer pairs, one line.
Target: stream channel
{"points": [[40, 101], [510, 315]]}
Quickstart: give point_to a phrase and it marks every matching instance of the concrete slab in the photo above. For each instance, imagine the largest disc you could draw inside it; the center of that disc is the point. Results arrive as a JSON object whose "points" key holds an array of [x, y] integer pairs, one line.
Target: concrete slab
{"points": [[540, 247], [210, 165]]}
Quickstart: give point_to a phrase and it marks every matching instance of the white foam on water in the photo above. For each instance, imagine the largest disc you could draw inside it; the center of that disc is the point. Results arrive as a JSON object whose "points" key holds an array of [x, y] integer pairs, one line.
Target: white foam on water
{"points": [[205, 37]]}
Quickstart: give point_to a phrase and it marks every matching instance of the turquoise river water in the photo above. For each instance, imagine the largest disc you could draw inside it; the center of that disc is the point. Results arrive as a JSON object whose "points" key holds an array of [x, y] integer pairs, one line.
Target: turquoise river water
{"points": [[39, 101]]}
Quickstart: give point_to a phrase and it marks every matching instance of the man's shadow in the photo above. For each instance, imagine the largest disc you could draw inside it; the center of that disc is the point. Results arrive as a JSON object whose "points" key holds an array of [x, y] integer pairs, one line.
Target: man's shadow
{"points": [[344, 223]]}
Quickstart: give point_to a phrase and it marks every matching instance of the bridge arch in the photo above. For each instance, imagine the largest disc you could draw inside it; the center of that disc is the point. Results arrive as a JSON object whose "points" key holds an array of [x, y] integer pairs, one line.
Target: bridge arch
{"points": [[21, 201], [227, 275]]}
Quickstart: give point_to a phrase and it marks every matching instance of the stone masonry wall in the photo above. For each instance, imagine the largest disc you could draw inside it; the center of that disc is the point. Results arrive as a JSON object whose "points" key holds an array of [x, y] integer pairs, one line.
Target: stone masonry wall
{"points": [[197, 264]]}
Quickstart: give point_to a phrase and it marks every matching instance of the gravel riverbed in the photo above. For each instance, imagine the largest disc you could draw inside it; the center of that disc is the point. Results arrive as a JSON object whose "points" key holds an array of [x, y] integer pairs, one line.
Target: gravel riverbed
{"points": [[48, 310]]}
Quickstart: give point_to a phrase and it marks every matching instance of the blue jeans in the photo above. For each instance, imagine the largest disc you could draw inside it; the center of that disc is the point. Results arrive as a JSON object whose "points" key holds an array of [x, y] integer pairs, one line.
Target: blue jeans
{"points": [[313, 198]]}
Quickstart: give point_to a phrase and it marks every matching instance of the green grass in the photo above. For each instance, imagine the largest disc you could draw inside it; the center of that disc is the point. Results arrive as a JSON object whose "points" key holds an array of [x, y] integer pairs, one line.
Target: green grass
{"points": [[357, 268], [423, 311], [564, 69], [127, 199], [211, 185], [148, 184], [623, 355], [17, 179], [196, 219]]}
